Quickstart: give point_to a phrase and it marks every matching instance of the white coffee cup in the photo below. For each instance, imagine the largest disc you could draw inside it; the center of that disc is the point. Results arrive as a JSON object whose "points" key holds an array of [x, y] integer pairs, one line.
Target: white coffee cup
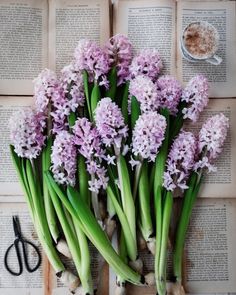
{"points": [[199, 42]]}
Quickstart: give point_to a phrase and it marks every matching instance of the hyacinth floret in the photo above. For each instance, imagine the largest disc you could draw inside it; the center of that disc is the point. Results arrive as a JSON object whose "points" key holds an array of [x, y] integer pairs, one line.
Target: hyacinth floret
{"points": [[170, 92], [93, 59], [64, 158], [148, 135], [44, 86], [27, 133], [110, 123], [196, 95], [145, 92], [89, 144], [119, 51], [180, 162], [147, 63], [210, 141], [72, 83]]}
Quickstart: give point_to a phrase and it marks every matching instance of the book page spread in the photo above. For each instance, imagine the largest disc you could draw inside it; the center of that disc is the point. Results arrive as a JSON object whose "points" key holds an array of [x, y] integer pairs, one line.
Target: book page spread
{"points": [[72, 20], [24, 47], [221, 14], [149, 24]]}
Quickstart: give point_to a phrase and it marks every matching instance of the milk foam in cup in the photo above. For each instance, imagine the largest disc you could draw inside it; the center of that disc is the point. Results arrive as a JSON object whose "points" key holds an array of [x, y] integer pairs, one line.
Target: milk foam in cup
{"points": [[199, 42]]}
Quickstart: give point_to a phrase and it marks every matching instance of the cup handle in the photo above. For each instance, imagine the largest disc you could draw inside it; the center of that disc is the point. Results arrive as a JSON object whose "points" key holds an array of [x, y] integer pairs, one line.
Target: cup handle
{"points": [[214, 60]]}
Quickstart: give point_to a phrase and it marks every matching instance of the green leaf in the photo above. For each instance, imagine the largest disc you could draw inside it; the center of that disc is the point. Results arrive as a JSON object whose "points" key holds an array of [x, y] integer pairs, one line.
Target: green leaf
{"points": [[135, 111], [86, 91], [112, 78], [95, 97], [124, 103], [71, 119]]}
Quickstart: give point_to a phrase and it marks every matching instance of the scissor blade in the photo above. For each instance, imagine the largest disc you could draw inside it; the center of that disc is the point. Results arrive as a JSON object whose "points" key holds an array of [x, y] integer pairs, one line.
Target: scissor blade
{"points": [[16, 226]]}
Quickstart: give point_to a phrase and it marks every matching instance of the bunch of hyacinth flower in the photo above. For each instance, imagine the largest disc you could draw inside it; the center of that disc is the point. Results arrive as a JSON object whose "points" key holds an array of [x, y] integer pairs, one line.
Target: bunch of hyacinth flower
{"points": [[104, 150]]}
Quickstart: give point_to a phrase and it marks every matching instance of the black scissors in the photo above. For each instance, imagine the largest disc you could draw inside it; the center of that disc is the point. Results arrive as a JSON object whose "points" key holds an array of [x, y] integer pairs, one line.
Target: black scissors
{"points": [[19, 239]]}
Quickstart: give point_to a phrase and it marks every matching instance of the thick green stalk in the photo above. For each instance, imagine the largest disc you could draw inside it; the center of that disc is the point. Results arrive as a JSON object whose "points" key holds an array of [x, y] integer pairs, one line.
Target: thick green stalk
{"points": [[135, 111], [112, 78], [137, 173], [49, 209], [161, 275], [130, 243], [144, 203], [124, 103], [93, 231], [120, 281], [188, 203], [95, 97], [83, 179], [86, 91]]}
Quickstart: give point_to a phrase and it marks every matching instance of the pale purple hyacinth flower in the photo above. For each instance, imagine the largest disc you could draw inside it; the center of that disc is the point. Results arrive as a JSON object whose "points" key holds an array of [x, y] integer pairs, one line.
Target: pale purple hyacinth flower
{"points": [[145, 92], [44, 86], [92, 58], [196, 95], [180, 162], [148, 135], [27, 133], [64, 158], [110, 123], [71, 81], [89, 144], [170, 92], [210, 141], [119, 50], [148, 63]]}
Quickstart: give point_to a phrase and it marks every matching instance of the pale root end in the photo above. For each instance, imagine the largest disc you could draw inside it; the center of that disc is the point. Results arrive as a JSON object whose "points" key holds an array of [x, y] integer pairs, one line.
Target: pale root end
{"points": [[120, 290], [151, 244], [70, 280], [137, 265], [110, 225], [175, 289], [62, 247], [142, 245], [150, 279]]}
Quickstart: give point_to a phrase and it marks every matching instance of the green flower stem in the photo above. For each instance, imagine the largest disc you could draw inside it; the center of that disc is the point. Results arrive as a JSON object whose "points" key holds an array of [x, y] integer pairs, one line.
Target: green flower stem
{"points": [[188, 203], [130, 243], [144, 203], [135, 111], [126, 195], [86, 91], [161, 275], [158, 210], [120, 281], [124, 103], [137, 173], [83, 179], [49, 208], [112, 78], [95, 97], [93, 231]]}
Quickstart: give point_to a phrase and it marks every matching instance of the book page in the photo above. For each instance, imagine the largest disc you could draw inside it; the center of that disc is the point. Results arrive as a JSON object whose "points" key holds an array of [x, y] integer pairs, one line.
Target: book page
{"points": [[27, 283], [223, 16], [209, 260], [23, 39], [148, 24], [220, 184], [10, 187], [72, 20]]}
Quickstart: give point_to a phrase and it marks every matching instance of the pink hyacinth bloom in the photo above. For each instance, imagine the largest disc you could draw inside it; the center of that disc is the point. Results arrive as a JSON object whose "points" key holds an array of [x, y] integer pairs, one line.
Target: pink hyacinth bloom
{"points": [[64, 158], [147, 63], [44, 86], [170, 91], [145, 92], [110, 123], [210, 141], [180, 161], [27, 133], [119, 51], [195, 95], [148, 135], [89, 144], [90, 57]]}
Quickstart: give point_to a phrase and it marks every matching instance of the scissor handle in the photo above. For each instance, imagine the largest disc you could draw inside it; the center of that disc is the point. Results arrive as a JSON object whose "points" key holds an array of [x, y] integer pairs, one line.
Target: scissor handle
{"points": [[14, 273], [24, 242]]}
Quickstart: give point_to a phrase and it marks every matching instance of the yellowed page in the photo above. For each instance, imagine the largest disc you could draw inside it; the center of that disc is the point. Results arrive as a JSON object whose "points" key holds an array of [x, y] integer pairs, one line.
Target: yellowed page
{"points": [[223, 16], [10, 190], [148, 24], [72, 20], [222, 183], [27, 283], [24, 47]]}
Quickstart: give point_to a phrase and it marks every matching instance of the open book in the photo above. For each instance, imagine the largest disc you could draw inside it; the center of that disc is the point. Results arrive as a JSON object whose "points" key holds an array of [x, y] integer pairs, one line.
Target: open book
{"points": [[35, 34]]}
